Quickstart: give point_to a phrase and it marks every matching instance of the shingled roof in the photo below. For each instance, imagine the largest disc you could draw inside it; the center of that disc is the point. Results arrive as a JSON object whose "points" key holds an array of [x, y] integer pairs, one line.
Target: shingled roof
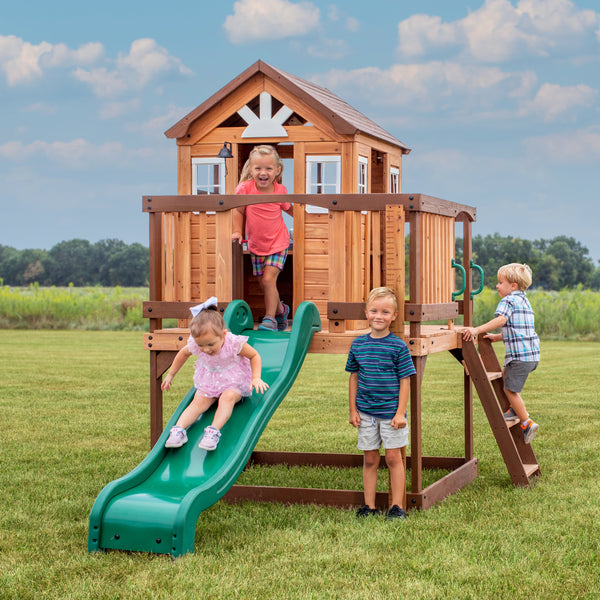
{"points": [[344, 119]]}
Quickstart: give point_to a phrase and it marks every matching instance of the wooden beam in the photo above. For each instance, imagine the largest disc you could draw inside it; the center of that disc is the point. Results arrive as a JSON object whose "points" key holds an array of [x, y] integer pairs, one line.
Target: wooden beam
{"points": [[335, 202]]}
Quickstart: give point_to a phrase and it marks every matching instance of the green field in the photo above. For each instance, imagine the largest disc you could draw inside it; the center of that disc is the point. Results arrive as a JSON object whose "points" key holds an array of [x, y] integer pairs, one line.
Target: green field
{"points": [[75, 416]]}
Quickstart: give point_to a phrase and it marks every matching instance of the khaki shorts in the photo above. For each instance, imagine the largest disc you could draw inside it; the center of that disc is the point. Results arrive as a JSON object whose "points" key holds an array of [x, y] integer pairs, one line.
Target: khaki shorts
{"points": [[374, 433]]}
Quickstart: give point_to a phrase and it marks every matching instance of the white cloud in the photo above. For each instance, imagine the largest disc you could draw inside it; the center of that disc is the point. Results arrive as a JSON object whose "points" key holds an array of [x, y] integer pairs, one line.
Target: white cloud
{"points": [[255, 20], [145, 62], [499, 31], [419, 34], [431, 86], [156, 125], [350, 23], [23, 62], [76, 154], [581, 147], [552, 101]]}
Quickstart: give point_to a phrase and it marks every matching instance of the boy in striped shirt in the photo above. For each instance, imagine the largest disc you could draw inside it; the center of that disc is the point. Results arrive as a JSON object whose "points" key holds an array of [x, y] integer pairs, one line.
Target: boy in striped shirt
{"points": [[380, 365], [515, 316]]}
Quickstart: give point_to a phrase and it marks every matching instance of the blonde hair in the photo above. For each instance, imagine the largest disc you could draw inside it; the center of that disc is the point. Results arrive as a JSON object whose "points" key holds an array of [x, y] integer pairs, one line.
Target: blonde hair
{"points": [[516, 273], [264, 150], [208, 319], [383, 292]]}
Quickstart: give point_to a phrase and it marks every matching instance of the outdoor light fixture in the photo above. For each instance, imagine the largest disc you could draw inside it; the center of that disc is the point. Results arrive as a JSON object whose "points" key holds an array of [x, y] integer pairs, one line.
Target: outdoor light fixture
{"points": [[225, 151]]}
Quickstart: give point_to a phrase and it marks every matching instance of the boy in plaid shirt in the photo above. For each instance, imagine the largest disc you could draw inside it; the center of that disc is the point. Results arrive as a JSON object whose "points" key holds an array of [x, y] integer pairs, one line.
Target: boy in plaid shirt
{"points": [[515, 316]]}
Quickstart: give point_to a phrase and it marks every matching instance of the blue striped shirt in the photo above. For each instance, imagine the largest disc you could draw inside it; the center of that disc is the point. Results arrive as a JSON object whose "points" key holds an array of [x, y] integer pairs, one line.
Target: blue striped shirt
{"points": [[518, 333], [381, 363]]}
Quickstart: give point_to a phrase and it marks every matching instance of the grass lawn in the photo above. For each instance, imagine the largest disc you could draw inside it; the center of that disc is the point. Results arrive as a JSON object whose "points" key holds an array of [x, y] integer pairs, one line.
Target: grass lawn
{"points": [[75, 415]]}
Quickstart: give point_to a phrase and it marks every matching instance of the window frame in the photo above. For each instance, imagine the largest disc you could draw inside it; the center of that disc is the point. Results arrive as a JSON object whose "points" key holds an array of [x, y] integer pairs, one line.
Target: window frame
{"points": [[394, 180], [363, 175], [212, 160], [322, 158]]}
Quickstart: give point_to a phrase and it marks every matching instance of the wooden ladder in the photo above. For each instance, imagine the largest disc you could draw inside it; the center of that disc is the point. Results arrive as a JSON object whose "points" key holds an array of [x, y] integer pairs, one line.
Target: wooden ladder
{"points": [[486, 374]]}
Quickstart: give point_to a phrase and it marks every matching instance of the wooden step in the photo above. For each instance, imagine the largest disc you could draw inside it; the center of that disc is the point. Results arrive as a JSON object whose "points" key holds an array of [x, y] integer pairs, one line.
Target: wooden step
{"points": [[491, 375], [531, 469]]}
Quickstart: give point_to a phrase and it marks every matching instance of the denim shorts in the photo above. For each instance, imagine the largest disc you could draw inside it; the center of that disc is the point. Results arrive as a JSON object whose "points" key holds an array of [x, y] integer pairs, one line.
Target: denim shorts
{"points": [[272, 260], [516, 373], [374, 433]]}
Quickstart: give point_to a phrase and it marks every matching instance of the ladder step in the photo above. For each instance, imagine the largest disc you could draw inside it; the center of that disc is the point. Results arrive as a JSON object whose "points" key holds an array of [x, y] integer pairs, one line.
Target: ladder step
{"points": [[491, 375], [531, 469]]}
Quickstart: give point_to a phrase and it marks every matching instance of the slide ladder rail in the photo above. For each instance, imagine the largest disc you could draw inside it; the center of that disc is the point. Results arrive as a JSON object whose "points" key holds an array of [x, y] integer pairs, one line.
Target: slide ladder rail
{"points": [[486, 373], [156, 506]]}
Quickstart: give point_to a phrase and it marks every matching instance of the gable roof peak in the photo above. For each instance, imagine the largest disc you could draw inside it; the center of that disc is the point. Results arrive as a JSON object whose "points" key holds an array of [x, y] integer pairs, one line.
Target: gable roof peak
{"points": [[344, 118]]}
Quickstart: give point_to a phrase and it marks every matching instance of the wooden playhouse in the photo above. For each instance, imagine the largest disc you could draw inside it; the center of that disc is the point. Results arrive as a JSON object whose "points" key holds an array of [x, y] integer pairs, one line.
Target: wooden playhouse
{"points": [[350, 226]]}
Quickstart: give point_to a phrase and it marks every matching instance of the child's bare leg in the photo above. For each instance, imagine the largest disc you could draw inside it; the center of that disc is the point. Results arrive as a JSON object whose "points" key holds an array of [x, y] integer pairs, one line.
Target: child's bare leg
{"points": [[370, 465], [517, 404], [199, 405], [393, 458], [268, 282], [227, 400]]}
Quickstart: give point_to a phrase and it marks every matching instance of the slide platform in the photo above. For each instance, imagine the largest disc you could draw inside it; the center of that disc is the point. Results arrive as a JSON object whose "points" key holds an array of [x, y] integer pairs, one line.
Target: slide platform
{"points": [[156, 506]]}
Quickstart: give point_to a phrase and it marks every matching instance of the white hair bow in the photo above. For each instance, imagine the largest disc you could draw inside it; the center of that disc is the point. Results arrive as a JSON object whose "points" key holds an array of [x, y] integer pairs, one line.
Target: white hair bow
{"points": [[200, 307]]}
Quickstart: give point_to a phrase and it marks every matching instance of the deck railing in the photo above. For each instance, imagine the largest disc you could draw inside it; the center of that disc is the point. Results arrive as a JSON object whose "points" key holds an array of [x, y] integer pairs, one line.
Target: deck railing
{"points": [[356, 243]]}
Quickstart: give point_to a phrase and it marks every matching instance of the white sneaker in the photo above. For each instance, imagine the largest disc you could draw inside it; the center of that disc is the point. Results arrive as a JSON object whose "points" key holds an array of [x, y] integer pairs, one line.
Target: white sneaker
{"points": [[210, 439], [177, 437]]}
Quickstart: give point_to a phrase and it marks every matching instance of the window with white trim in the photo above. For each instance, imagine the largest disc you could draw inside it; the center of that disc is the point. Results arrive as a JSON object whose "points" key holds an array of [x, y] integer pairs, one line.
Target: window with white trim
{"points": [[323, 176], [394, 180], [362, 174], [208, 175]]}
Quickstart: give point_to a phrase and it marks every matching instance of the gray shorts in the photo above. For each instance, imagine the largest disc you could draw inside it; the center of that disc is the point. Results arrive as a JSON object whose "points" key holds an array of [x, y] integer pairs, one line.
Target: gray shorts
{"points": [[374, 432], [516, 373]]}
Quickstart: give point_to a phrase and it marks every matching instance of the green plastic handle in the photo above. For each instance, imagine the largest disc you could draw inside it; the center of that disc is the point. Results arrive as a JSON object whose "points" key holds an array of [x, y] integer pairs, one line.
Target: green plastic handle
{"points": [[458, 266], [477, 291]]}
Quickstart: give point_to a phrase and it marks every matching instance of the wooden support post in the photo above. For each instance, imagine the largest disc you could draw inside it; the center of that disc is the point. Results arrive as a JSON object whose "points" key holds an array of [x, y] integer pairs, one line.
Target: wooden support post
{"points": [[298, 276], [467, 256], [468, 407], [156, 404], [416, 452], [159, 363], [337, 265]]}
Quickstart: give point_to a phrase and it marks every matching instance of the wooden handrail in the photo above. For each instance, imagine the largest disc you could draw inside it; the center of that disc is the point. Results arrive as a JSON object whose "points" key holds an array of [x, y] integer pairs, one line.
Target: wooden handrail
{"points": [[333, 202]]}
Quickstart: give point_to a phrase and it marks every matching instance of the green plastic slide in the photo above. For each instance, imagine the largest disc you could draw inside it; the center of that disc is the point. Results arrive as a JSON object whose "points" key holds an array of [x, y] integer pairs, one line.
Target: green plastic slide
{"points": [[156, 506]]}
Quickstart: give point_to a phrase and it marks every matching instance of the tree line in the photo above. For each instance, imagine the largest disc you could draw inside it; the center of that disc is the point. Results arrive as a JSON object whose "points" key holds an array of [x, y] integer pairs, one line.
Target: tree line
{"points": [[77, 262], [558, 263], [561, 262]]}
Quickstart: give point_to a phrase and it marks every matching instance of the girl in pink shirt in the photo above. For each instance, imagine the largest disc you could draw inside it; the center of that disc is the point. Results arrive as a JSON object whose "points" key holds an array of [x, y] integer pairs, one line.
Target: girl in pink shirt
{"points": [[268, 237]]}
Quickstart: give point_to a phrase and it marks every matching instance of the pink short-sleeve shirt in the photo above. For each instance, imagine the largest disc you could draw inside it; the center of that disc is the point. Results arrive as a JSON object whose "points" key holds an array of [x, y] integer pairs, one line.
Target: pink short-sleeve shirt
{"points": [[265, 228]]}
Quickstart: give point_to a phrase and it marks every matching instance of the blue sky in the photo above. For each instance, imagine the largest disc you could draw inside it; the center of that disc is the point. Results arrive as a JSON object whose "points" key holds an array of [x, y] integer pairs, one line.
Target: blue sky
{"points": [[498, 99]]}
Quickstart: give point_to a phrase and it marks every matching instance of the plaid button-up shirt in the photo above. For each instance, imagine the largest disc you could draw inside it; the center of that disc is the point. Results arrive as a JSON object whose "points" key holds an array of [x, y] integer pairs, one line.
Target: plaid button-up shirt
{"points": [[518, 334]]}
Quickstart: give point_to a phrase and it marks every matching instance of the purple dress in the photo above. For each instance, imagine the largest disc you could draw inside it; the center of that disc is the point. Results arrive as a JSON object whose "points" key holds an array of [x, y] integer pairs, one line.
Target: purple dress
{"points": [[226, 370]]}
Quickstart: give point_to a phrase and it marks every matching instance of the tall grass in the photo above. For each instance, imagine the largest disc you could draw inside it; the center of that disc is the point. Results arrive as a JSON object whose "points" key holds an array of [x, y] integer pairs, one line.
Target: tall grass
{"points": [[75, 416], [565, 315], [36, 307]]}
